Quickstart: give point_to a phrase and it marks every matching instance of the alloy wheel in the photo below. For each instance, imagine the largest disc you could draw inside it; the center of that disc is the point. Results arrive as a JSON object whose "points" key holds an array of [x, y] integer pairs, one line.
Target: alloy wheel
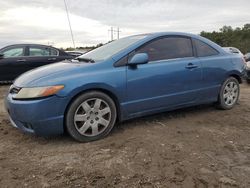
{"points": [[230, 94], [92, 117]]}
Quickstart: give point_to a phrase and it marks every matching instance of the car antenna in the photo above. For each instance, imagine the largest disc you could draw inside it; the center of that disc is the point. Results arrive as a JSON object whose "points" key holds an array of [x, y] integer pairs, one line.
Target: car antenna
{"points": [[71, 32]]}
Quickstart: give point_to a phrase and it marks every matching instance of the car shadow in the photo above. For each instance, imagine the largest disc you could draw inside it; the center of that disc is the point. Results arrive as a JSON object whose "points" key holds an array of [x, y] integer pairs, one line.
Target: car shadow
{"points": [[65, 139], [164, 116]]}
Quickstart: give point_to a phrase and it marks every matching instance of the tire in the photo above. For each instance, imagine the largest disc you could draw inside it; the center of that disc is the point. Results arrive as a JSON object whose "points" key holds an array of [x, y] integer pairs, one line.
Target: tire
{"points": [[248, 81], [229, 94], [91, 116]]}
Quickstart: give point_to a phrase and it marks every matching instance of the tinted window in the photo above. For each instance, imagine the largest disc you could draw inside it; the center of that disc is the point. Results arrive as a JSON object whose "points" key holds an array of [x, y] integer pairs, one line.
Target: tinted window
{"points": [[168, 48], [42, 51], [13, 52], [204, 49]]}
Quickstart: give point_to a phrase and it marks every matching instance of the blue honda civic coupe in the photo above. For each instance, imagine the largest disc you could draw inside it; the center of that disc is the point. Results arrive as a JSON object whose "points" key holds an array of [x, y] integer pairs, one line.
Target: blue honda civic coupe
{"points": [[131, 77]]}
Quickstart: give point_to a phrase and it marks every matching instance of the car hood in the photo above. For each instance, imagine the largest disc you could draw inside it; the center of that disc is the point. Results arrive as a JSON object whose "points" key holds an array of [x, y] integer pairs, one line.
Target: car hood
{"points": [[45, 75]]}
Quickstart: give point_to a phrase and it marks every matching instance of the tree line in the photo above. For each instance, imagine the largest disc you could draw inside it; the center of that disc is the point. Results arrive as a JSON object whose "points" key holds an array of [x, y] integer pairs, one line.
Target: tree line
{"points": [[229, 37], [225, 37], [83, 47]]}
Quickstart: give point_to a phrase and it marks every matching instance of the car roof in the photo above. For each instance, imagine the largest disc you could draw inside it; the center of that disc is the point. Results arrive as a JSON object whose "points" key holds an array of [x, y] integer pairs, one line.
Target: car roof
{"points": [[75, 51], [159, 34], [29, 44]]}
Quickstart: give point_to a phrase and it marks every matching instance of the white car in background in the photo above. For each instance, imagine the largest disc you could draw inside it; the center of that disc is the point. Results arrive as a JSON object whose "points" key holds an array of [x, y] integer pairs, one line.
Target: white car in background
{"points": [[233, 50], [246, 57]]}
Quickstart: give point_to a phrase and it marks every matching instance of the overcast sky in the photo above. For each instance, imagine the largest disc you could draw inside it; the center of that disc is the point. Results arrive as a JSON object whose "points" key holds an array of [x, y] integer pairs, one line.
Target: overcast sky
{"points": [[43, 21]]}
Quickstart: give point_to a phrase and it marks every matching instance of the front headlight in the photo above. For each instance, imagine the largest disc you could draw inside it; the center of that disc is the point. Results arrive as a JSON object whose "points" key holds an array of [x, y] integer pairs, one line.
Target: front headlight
{"points": [[37, 92]]}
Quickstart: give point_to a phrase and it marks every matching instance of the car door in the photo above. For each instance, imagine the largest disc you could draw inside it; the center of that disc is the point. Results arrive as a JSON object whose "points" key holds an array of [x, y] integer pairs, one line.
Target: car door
{"points": [[171, 78], [39, 55], [14, 58]]}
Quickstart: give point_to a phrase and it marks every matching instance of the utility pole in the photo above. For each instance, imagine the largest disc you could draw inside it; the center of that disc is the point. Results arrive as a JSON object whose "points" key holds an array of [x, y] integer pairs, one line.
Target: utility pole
{"points": [[50, 43], [118, 32], [111, 33], [71, 32]]}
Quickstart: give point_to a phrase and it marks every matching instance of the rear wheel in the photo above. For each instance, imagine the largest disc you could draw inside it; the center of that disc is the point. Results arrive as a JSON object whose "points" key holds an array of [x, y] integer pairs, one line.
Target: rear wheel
{"points": [[229, 93], [91, 116]]}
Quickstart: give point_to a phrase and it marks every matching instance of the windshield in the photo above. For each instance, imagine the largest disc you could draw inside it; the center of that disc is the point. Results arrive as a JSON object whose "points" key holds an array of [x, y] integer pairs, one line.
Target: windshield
{"points": [[110, 49]]}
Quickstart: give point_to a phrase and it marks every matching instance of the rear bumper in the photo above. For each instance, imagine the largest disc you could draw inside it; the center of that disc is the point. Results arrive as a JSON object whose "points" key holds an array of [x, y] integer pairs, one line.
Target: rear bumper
{"points": [[42, 117]]}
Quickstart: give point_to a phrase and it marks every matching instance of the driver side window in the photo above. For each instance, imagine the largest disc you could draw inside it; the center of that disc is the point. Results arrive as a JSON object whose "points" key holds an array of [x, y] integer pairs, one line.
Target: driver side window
{"points": [[168, 48]]}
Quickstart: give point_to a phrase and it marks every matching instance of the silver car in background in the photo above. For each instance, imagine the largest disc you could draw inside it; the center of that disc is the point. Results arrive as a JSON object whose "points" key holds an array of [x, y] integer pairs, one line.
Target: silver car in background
{"points": [[233, 50]]}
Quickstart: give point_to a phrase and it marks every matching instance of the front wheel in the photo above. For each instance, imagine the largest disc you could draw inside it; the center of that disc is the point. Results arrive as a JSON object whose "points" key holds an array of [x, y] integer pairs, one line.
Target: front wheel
{"points": [[229, 93], [91, 116]]}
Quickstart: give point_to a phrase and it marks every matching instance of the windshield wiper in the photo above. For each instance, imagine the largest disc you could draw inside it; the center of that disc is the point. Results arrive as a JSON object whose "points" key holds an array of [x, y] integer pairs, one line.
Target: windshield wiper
{"points": [[88, 60]]}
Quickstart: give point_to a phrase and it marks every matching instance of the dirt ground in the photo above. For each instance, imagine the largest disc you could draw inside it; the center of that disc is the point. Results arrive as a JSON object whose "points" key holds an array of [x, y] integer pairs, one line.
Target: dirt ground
{"points": [[194, 147]]}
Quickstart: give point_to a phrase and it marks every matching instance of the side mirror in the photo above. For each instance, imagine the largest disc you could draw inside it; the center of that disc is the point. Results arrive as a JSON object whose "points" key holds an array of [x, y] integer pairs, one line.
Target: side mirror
{"points": [[137, 59], [1, 56]]}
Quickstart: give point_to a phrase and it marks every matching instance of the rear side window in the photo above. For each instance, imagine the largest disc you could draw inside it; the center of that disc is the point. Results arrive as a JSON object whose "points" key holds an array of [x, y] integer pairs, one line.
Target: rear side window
{"points": [[167, 48], [53, 52], [204, 49], [42, 51]]}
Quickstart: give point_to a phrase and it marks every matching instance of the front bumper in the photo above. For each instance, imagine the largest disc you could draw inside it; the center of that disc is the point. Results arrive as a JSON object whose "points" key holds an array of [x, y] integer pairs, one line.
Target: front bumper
{"points": [[42, 117]]}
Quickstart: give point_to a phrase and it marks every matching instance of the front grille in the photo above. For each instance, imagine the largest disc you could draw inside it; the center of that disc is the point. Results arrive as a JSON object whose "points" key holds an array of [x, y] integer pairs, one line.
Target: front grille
{"points": [[14, 89]]}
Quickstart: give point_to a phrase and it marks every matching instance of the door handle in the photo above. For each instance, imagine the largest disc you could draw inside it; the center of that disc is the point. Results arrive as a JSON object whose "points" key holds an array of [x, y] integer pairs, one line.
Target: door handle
{"points": [[52, 59], [21, 60], [191, 66]]}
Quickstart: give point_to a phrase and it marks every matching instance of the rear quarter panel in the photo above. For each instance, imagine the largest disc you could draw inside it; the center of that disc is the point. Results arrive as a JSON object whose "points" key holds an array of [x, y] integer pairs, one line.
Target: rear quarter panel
{"points": [[216, 69]]}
